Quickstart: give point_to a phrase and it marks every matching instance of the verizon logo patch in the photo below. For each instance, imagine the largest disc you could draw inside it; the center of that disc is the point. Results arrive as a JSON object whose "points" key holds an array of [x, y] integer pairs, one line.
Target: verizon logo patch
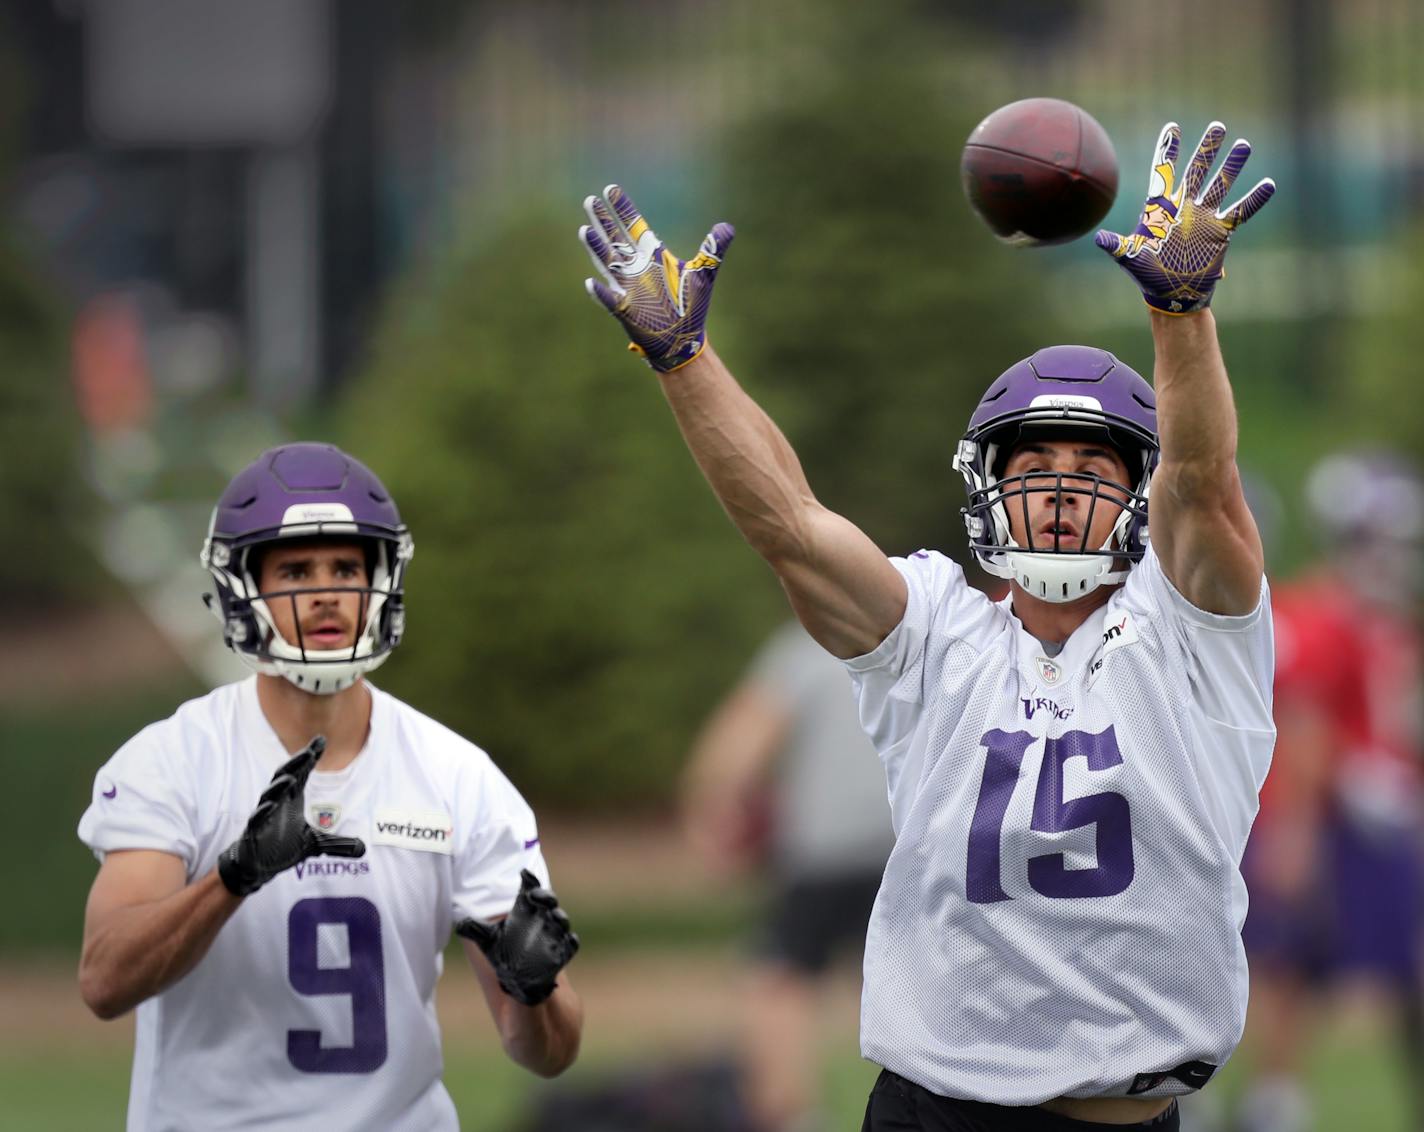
{"points": [[1118, 630], [426, 832]]}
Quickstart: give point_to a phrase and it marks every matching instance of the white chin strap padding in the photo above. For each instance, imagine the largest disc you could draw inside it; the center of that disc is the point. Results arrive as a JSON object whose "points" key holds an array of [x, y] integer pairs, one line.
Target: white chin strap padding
{"points": [[324, 679], [1060, 577]]}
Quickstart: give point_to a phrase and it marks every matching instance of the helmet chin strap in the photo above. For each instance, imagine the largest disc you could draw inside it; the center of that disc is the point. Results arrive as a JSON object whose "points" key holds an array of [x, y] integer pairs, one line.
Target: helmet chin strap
{"points": [[325, 677], [1061, 577]]}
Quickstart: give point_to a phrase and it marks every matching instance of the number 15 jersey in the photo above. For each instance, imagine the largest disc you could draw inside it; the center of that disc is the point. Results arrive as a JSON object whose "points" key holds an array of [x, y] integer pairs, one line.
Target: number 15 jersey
{"points": [[1061, 914], [315, 1005]]}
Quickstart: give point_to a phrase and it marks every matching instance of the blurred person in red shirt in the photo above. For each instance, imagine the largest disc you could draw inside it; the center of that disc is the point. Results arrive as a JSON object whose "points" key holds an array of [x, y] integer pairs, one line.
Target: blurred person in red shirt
{"points": [[1334, 865]]}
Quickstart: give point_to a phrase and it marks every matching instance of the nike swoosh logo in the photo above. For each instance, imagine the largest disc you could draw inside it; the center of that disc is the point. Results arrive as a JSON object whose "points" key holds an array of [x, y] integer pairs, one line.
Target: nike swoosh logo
{"points": [[531, 844], [111, 792]]}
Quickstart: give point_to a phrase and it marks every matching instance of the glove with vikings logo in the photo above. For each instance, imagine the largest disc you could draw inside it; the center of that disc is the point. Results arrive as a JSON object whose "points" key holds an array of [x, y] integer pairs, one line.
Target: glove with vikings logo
{"points": [[661, 300], [277, 834], [1176, 251], [530, 946]]}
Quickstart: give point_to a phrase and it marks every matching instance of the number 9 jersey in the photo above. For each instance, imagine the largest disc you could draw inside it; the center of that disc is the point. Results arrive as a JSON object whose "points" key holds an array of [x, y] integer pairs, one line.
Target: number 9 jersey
{"points": [[315, 1003], [1061, 914]]}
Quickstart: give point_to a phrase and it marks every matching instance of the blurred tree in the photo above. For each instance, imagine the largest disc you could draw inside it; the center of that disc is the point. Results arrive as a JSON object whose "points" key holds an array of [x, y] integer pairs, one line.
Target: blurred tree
{"points": [[578, 600], [1377, 379], [41, 455], [45, 499]]}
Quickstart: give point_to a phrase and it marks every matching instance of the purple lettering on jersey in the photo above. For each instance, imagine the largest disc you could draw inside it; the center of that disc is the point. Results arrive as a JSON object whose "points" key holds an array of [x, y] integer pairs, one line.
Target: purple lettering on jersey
{"points": [[1004, 754], [315, 867], [1108, 812], [1043, 703], [364, 980]]}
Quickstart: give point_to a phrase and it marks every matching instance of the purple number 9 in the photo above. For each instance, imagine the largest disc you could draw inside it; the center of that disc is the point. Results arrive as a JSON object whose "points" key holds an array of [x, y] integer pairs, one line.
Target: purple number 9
{"points": [[364, 979], [1052, 813]]}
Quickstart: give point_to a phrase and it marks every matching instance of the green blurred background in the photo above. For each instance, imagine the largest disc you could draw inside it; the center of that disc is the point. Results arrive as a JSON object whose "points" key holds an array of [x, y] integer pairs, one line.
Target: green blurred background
{"points": [[356, 223]]}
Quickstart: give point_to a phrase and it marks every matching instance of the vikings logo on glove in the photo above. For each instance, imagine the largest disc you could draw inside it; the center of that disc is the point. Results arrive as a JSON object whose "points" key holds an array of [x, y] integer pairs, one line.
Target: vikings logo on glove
{"points": [[1176, 251], [660, 300]]}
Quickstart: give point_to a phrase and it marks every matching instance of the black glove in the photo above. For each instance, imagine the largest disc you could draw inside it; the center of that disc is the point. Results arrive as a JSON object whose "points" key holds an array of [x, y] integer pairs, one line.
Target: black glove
{"points": [[530, 946], [277, 834]]}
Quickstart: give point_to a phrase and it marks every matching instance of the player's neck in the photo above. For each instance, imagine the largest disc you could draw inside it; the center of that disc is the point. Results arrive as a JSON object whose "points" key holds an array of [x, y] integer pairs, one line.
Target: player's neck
{"points": [[1055, 621], [344, 717]]}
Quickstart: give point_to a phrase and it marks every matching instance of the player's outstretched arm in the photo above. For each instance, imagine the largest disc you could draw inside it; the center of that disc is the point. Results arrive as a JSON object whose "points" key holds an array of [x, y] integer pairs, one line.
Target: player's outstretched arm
{"points": [[145, 927], [1201, 528], [842, 587], [520, 963]]}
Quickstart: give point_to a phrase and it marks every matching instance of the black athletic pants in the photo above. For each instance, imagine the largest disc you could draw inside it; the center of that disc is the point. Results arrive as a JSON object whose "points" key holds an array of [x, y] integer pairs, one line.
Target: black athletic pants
{"points": [[897, 1105]]}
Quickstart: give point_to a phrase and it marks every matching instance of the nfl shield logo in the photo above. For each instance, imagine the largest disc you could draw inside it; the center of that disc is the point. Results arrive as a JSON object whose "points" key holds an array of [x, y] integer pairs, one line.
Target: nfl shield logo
{"points": [[1048, 672], [325, 815]]}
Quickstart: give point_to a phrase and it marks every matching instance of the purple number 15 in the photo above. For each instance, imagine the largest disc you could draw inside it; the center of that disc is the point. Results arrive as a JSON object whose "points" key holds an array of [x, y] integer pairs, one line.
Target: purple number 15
{"points": [[1052, 813]]}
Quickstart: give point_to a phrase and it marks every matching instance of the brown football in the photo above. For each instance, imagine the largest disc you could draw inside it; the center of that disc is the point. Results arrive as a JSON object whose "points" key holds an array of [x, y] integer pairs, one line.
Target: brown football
{"points": [[1040, 171]]}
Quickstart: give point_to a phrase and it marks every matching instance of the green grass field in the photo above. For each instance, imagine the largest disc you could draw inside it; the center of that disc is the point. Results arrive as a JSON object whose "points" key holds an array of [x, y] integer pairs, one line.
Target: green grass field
{"points": [[1358, 1086], [46, 1089]]}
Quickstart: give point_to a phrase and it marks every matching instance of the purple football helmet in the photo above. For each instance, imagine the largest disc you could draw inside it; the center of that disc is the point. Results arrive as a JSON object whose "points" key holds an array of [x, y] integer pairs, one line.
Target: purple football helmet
{"points": [[305, 491], [1064, 391]]}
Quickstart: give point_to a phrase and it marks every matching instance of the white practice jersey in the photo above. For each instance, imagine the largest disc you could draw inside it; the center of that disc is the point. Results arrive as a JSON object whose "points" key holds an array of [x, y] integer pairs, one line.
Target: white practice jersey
{"points": [[1061, 914], [314, 1007]]}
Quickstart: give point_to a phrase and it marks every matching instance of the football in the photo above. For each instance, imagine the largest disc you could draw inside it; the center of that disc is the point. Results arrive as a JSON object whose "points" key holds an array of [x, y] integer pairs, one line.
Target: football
{"points": [[1040, 171]]}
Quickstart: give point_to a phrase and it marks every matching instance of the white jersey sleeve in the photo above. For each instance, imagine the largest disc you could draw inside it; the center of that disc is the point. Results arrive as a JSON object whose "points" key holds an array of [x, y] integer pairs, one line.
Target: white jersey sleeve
{"points": [[1231, 663], [944, 626], [145, 797], [503, 840]]}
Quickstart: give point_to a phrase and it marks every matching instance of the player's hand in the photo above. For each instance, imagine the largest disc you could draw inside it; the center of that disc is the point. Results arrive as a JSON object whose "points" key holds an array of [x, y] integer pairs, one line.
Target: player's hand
{"points": [[530, 946], [277, 834], [661, 300], [1176, 251]]}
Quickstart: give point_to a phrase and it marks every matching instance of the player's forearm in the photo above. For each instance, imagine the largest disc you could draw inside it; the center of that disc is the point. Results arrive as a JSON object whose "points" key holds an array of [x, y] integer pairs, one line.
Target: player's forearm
{"points": [[749, 464], [1196, 415], [140, 950], [544, 1039]]}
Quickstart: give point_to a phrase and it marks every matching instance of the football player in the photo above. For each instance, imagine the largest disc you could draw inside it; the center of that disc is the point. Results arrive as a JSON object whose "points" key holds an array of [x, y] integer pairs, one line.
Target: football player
{"points": [[283, 859], [1334, 862], [1072, 771]]}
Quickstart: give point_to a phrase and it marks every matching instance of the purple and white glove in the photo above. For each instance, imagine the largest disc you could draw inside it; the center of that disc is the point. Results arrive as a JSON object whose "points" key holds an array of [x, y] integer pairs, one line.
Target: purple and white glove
{"points": [[1176, 251], [661, 300]]}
